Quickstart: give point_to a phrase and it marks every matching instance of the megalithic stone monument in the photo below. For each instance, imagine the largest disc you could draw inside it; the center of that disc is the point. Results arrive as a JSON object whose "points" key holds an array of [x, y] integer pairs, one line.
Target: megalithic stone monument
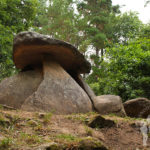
{"points": [[49, 79]]}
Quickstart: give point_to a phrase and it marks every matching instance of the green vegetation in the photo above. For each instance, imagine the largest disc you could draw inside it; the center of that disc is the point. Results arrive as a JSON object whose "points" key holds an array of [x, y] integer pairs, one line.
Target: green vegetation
{"points": [[47, 117], [85, 118], [30, 132], [66, 137], [126, 73], [30, 139], [88, 130], [5, 143], [15, 16]]}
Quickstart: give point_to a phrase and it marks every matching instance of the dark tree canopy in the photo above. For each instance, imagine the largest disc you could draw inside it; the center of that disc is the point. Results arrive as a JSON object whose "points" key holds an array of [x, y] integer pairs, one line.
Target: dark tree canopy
{"points": [[15, 16]]}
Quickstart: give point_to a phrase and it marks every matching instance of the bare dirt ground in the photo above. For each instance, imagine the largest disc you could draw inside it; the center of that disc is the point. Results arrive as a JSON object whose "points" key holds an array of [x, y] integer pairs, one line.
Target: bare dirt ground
{"points": [[27, 130]]}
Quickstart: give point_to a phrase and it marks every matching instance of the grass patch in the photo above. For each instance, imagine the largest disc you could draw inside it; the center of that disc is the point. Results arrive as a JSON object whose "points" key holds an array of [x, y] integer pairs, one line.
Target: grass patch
{"points": [[82, 117], [3, 121], [30, 139], [1, 107], [66, 137], [88, 130], [5, 143], [32, 123], [47, 117]]}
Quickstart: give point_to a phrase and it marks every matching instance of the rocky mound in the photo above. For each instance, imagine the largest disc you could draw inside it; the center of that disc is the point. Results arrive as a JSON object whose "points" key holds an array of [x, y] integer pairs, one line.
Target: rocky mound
{"points": [[22, 130]]}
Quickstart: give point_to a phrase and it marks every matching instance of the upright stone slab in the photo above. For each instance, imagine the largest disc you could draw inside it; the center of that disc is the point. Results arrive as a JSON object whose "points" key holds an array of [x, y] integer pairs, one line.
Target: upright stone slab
{"points": [[58, 92]]}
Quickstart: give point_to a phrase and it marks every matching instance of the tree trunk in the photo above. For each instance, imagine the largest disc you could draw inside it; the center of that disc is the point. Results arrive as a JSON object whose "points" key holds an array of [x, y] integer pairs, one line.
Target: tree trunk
{"points": [[102, 54], [97, 52]]}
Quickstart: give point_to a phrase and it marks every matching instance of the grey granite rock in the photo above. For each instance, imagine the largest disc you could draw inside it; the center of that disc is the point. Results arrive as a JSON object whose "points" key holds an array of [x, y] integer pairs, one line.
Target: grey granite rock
{"points": [[107, 104]]}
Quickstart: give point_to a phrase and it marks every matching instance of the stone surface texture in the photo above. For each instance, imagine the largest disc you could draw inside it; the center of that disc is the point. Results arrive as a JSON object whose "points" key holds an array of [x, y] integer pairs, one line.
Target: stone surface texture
{"points": [[139, 107], [14, 90], [58, 92], [29, 47], [86, 87], [106, 104]]}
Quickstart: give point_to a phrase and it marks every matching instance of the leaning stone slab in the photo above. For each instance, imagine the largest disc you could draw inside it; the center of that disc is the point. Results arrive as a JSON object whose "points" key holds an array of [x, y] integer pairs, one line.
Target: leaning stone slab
{"points": [[86, 87]]}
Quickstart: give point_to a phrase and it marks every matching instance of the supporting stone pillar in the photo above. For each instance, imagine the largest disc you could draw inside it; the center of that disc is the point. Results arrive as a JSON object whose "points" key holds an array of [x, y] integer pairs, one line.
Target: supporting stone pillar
{"points": [[58, 92]]}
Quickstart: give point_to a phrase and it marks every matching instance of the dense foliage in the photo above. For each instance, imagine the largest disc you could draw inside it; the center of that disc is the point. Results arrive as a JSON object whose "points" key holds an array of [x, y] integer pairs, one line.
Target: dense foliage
{"points": [[125, 70], [125, 27], [15, 16]]}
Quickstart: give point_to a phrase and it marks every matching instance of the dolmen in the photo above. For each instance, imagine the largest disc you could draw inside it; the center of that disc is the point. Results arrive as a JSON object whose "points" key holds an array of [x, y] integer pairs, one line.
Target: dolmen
{"points": [[49, 78]]}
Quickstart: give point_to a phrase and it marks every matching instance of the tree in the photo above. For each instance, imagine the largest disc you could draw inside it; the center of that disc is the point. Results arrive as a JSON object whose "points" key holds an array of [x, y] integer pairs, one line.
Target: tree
{"points": [[15, 16], [145, 32], [126, 26], [97, 15], [146, 3], [41, 10], [60, 21], [126, 72]]}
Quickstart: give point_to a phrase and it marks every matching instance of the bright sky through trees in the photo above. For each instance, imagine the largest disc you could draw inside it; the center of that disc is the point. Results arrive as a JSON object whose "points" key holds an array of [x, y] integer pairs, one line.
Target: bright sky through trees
{"points": [[135, 5]]}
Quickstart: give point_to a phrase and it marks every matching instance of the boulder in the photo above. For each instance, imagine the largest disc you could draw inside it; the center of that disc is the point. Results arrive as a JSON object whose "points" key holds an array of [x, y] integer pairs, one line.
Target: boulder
{"points": [[139, 107], [86, 87], [14, 90], [106, 104]]}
